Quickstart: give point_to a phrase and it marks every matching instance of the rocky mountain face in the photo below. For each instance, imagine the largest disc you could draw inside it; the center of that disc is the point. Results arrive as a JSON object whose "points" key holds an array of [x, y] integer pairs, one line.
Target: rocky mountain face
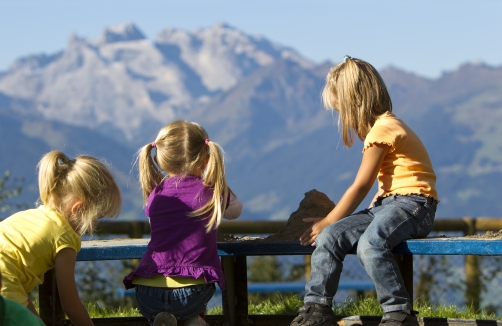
{"points": [[259, 100], [124, 82]]}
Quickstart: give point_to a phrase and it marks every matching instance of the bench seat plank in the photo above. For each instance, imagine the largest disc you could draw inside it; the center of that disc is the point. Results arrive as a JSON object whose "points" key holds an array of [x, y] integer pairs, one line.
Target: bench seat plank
{"points": [[118, 249], [451, 246]]}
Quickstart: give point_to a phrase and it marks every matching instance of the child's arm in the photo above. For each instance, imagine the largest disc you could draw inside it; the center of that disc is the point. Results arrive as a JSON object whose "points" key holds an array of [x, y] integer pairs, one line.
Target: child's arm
{"points": [[234, 208], [370, 165], [65, 277]]}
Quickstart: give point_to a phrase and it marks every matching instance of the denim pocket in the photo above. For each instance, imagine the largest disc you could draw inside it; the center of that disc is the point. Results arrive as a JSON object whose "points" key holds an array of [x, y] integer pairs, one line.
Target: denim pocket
{"points": [[421, 209], [424, 227]]}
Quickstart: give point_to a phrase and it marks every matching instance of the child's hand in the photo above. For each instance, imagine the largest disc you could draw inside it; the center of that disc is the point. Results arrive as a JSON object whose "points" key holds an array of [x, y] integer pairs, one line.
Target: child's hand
{"points": [[309, 236]]}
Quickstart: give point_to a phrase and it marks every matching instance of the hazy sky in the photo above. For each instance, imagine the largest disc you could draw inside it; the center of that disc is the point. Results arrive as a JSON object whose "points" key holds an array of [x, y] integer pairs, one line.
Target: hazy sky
{"points": [[426, 37]]}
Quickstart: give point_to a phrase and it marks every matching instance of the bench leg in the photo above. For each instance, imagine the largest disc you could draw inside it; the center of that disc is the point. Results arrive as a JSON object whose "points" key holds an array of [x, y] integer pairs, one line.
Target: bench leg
{"points": [[228, 295], [405, 263], [51, 311], [235, 296]]}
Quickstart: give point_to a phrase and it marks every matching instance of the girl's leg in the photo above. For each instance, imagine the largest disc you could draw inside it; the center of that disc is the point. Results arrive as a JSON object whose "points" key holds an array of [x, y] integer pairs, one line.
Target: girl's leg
{"points": [[397, 218], [327, 259]]}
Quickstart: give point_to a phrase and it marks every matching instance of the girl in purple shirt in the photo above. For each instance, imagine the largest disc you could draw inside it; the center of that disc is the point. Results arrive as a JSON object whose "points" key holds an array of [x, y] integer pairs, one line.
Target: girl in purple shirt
{"points": [[186, 196]]}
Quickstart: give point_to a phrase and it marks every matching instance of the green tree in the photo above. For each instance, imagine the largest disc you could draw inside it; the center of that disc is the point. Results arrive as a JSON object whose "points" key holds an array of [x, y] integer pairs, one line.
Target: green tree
{"points": [[8, 189]]}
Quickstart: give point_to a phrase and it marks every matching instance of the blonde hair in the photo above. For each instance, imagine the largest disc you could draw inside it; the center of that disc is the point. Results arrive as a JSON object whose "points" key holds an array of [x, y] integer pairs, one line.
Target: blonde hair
{"points": [[184, 148], [356, 90], [61, 181]]}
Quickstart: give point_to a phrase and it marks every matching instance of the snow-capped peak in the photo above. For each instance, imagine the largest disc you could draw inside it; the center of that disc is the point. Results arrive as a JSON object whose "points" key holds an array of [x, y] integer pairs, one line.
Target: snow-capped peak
{"points": [[121, 33]]}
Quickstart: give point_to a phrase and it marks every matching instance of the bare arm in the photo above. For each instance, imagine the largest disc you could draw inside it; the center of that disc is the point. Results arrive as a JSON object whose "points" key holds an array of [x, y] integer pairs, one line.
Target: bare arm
{"points": [[234, 208], [65, 277], [353, 196]]}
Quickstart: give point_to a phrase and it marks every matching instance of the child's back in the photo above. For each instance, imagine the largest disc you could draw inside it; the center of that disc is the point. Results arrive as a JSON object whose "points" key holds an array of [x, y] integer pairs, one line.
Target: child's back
{"points": [[180, 246], [30, 240], [406, 168]]}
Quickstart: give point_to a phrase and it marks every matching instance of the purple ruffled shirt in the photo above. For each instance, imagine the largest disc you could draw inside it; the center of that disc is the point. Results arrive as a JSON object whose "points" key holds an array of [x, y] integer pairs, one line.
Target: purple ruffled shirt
{"points": [[179, 244]]}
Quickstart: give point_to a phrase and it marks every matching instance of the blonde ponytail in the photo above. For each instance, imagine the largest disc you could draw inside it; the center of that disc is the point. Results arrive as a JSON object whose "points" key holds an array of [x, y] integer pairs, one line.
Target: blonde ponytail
{"points": [[214, 177], [62, 181], [149, 175]]}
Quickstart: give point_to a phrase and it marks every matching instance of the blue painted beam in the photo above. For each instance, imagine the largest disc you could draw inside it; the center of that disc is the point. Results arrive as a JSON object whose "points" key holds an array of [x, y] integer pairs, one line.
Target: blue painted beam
{"points": [[134, 248], [451, 246], [282, 287]]}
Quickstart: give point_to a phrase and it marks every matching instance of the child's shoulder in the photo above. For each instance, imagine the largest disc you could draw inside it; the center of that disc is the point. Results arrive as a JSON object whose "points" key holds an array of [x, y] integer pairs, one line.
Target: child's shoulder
{"points": [[391, 121], [175, 185]]}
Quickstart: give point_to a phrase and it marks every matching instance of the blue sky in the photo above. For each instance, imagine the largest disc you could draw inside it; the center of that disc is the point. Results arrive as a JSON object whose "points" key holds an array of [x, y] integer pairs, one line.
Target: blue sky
{"points": [[424, 37]]}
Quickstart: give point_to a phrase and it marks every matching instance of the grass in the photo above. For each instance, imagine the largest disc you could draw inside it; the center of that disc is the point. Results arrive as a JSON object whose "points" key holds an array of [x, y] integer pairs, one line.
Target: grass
{"points": [[367, 306], [95, 311]]}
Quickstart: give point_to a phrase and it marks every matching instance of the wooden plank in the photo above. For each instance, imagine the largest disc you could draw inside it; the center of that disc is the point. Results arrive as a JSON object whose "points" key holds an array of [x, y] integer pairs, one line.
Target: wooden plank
{"points": [[134, 248], [451, 246], [234, 260]]}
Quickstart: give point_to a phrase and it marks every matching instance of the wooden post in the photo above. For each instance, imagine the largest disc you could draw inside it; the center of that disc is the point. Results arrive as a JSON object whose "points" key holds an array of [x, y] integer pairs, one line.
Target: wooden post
{"points": [[472, 276], [235, 297], [241, 294], [228, 295], [51, 311]]}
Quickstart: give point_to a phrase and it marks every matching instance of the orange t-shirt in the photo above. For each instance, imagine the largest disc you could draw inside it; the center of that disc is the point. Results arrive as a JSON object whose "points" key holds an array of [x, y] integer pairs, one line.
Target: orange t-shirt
{"points": [[406, 168]]}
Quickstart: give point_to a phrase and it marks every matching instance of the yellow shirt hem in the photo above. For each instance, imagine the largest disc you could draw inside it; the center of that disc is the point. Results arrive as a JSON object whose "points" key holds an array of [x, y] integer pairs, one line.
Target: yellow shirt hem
{"points": [[161, 281]]}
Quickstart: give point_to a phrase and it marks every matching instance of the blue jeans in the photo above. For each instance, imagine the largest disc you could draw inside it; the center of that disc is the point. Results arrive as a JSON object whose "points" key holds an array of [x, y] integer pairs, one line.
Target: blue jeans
{"points": [[184, 303], [375, 232]]}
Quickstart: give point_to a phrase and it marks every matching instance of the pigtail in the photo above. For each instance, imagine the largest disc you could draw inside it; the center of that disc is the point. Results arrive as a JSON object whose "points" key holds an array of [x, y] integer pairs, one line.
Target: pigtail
{"points": [[86, 180], [52, 171], [149, 174], [214, 177]]}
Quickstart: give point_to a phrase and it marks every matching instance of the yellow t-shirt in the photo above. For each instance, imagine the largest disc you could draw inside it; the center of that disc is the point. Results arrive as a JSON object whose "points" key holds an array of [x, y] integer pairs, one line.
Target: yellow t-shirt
{"points": [[29, 242], [406, 168]]}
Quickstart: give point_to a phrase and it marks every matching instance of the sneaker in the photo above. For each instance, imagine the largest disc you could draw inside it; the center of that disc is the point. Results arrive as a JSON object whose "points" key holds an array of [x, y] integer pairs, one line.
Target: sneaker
{"points": [[399, 318], [314, 314], [165, 319], [195, 321]]}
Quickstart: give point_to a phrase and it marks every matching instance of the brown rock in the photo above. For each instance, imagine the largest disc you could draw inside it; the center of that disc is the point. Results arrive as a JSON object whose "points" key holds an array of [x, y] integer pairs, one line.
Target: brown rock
{"points": [[315, 204]]}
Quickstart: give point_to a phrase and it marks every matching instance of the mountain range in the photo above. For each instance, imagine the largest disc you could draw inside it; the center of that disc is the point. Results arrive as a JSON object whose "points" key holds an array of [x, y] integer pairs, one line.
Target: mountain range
{"points": [[258, 99]]}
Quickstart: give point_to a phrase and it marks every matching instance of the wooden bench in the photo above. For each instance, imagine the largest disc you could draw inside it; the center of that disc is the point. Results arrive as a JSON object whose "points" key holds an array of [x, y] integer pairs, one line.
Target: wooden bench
{"points": [[233, 256]]}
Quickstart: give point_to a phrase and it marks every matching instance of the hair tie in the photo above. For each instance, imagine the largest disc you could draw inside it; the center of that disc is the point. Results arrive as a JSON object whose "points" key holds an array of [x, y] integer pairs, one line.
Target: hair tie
{"points": [[346, 57], [154, 145], [207, 141]]}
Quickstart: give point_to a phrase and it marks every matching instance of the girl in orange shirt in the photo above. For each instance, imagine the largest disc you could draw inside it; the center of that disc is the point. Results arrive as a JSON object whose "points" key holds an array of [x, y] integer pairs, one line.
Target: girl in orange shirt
{"points": [[403, 208]]}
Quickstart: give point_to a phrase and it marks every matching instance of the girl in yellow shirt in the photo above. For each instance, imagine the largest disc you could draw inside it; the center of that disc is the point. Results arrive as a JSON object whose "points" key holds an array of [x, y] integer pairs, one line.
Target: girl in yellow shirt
{"points": [[403, 208], [75, 194]]}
